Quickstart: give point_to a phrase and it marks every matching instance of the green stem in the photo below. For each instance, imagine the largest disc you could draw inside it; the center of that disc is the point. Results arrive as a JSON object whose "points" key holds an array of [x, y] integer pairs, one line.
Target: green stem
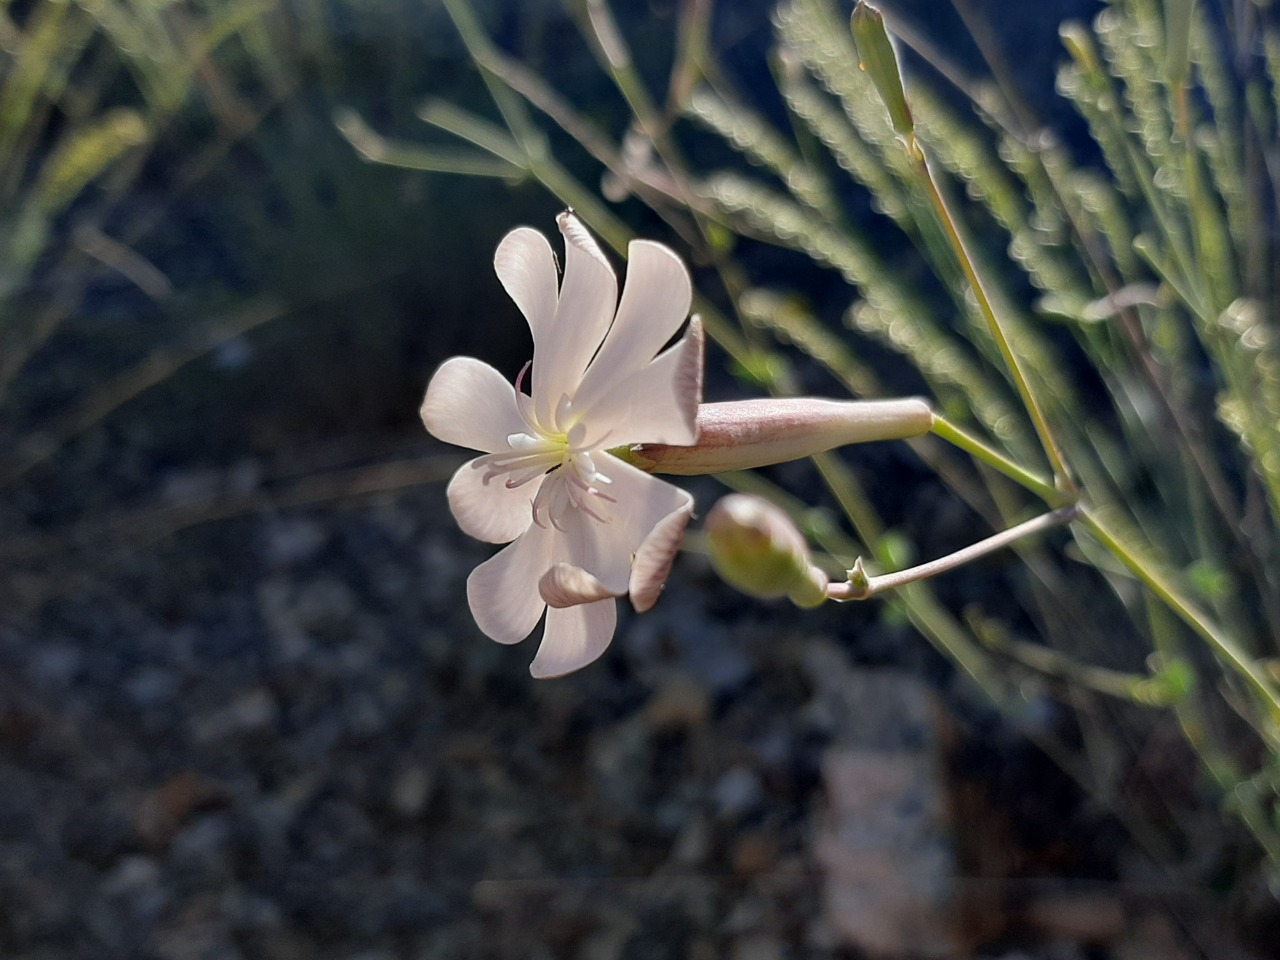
{"points": [[1226, 648], [997, 461], [862, 586], [1062, 476]]}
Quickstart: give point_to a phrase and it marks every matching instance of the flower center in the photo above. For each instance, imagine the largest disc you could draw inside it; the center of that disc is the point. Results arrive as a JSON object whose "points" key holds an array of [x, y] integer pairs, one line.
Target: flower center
{"points": [[572, 482]]}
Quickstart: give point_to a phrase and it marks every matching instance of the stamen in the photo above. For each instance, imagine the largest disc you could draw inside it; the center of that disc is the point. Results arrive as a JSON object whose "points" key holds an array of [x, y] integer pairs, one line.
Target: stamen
{"points": [[591, 513]]}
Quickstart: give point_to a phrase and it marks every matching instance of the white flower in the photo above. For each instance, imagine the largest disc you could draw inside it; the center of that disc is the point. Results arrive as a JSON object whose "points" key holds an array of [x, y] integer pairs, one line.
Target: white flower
{"points": [[586, 526]]}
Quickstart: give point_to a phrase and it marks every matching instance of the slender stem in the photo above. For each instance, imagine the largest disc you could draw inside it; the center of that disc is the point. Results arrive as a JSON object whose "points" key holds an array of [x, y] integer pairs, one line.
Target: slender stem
{"points": [[1062, 476], [1054, 663], [1226, 647], [997, 461], [861, 586]]}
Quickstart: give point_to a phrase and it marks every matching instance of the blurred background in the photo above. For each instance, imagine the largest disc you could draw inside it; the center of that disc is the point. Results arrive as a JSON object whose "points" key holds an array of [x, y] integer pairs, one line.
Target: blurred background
{"points": [[244, 711]]}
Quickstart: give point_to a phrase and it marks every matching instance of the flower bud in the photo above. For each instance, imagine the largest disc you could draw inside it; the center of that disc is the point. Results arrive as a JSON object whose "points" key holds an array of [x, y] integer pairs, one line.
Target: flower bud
{"points": [[877, 57], [756, 548], [744, 434]]}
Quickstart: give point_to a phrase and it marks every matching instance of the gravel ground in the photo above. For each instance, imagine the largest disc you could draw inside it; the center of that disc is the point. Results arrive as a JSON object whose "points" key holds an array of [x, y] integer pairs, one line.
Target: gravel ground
{"points": [[279, 735]]}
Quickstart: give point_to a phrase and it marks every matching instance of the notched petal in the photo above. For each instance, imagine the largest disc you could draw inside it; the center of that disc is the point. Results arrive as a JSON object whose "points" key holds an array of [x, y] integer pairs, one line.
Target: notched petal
{"points": [[688, 378], [492, 512], [526, 265], [655, 301], [588, 297], [577, 236], [470, 404], [503, 591], [565, 585], [652, 564], [574, 637], [657, 403]]}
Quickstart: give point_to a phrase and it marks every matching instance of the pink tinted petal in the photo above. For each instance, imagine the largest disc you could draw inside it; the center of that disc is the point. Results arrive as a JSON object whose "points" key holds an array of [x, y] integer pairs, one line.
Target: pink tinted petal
{"points": [[653, 560], [490, 511], [588, 297], [503, 591], [605, 549], [470, 404], [526, 266], [655, 302], [658, 400], [565, 585], [574, 637]]}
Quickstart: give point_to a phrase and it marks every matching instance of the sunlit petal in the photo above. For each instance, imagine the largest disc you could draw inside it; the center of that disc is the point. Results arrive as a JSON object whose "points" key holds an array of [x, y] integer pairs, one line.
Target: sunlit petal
{"points": [[655, 303], [470, 404], [503, 591], [492, 512], [526, 266], [574, 637], [565, 585], [657, 553], [588, 297], [658, 400], [640, 503]]}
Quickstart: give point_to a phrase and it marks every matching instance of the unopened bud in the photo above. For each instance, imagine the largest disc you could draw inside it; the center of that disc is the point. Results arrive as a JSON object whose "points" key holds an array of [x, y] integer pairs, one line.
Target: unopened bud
{"points": [[877, 57], [756, 548], [744, 434]]}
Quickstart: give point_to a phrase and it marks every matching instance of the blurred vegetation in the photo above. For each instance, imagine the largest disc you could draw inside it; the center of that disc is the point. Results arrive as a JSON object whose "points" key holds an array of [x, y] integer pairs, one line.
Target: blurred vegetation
{"points": [[175, 197], [1133, 274]]}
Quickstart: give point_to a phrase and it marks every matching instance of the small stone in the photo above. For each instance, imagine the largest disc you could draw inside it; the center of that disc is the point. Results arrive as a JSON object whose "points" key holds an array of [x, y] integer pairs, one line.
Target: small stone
{"points": [[680, 703], [162, 813], [737, 792], [151, 687], [693, 843], [294, 540], [202, 846], [754, 853], [709, 652], [885, 844], [1152, 934], [325, 603], [136, 881], [254, 710], [888, 865], [252, 913], [190, 486], [55, 666], [617, 756], [758, 946], [1095, 919], [412, 791]]}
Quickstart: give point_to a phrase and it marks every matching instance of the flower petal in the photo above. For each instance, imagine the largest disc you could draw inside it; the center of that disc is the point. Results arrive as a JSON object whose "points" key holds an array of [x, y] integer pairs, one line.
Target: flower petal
{"points": [[526, 265], [655, 302], [653, 560], [574, 637], [605, 549], [588, 296], [565, 585], [470, 404], [658, 400], [492, 512], [503, 591]]}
